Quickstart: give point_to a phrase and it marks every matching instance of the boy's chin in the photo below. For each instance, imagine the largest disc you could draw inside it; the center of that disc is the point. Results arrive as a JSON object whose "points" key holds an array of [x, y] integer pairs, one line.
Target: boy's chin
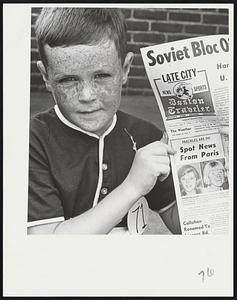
{"points": [[94, 127]]}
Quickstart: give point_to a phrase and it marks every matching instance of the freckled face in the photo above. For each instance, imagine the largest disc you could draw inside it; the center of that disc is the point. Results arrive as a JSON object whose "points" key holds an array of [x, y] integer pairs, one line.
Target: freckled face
{"points": [[86, 82]]}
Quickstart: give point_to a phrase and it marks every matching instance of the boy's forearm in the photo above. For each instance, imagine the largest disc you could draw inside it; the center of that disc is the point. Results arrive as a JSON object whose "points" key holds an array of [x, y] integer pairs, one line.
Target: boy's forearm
{"points": [[102, 218]]}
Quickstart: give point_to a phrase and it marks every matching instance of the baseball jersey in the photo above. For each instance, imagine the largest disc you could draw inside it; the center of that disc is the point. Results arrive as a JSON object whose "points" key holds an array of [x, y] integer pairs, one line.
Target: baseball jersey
{"points": [[71, 170]]}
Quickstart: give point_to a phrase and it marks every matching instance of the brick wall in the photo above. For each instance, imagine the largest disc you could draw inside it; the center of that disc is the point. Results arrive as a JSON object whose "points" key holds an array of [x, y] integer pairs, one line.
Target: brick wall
{"points": [[149, 27]]}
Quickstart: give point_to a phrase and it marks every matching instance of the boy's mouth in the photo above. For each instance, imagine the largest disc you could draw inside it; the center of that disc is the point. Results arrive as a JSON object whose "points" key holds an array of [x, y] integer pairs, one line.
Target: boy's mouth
{"points": [[89, 111]]}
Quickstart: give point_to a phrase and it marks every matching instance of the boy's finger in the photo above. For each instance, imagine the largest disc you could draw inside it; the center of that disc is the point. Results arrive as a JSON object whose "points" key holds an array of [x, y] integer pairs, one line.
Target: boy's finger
{"points": [[171, 150], [158, 144], [163, 177]]}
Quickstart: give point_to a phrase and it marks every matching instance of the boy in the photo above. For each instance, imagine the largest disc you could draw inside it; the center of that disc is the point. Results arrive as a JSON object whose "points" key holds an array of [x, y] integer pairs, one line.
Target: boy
{"points": [[89, 162]]}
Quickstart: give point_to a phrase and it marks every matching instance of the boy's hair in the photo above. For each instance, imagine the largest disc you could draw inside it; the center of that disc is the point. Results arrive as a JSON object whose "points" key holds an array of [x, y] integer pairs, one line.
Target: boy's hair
{"points": [[73, 26]]}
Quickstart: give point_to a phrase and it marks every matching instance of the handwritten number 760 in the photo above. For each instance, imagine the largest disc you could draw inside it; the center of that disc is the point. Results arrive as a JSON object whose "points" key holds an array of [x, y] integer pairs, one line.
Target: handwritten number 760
{"points": [[209, 273]]}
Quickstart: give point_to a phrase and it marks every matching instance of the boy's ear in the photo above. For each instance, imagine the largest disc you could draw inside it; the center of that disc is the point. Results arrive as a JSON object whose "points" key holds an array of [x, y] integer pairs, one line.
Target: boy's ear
{"points": [[43, 72], [126, 66]]}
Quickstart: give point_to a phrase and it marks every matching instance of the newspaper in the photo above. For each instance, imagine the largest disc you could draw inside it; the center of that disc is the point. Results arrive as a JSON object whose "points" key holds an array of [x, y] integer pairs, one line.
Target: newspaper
{"points": [[190, 79]]}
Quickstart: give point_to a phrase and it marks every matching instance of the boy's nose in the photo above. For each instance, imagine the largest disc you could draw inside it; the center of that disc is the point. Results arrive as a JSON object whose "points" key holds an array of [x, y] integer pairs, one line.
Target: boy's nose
{"points": [[87, 93]]}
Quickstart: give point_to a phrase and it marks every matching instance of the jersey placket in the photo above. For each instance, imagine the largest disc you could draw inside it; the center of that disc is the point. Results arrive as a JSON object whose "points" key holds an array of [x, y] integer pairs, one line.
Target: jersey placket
{"points": [[102, 191], [100, 179], [107, 176]]}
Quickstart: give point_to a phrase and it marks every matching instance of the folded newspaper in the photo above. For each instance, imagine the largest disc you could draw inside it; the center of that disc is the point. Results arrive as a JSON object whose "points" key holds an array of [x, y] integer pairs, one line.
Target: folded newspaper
{"points": [[190, 79]]}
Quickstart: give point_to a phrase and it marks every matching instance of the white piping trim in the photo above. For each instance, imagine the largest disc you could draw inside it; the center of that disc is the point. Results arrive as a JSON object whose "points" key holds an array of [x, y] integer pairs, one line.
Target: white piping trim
{"points": [[100, 179], [167, 207], [45, 221], [101, 154]]}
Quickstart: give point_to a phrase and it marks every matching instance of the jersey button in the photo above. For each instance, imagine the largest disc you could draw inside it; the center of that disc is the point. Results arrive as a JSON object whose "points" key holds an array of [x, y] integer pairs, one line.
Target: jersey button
{"points": [[104, 166], [104, 191]]}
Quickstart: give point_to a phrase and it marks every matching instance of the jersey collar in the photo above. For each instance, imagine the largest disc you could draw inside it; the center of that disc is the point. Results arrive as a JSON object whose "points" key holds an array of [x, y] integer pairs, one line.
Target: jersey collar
{"points": [[73, 126]]}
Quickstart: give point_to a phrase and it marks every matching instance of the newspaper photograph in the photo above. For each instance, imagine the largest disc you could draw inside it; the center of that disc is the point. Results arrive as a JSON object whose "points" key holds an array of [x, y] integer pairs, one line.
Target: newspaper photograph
{"points": [[190, 79]]}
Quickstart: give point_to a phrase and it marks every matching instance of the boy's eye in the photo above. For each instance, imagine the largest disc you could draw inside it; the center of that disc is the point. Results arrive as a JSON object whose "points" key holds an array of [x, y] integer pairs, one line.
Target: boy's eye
{"points": [[102, 75], [67, 79]]}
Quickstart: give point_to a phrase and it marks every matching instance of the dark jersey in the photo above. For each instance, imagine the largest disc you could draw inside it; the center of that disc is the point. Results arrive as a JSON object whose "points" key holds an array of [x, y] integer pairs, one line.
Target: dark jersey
{"points": [[70, 170]]}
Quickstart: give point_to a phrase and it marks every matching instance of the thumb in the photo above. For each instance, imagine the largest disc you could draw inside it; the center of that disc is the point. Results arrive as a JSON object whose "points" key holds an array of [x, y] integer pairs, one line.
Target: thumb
{"points": [[171, 150], [163, 177]]}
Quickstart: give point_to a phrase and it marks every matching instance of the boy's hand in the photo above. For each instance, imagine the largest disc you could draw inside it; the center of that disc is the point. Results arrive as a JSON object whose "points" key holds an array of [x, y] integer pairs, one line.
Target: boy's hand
{"points": [[150, 162]]}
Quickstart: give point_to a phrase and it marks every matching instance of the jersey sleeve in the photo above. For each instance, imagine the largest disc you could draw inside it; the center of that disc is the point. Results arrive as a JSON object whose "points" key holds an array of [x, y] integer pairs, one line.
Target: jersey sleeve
{"points": [[162, 195], [44, 204]]}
